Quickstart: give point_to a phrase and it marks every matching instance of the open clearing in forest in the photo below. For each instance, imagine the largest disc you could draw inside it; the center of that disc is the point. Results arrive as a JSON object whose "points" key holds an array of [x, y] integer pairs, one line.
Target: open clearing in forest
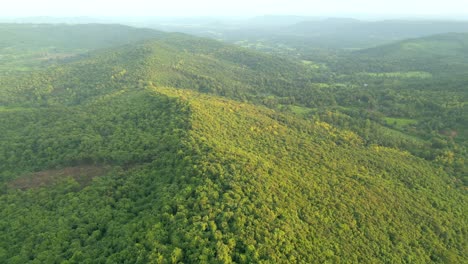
{"points": [[82, 174]]}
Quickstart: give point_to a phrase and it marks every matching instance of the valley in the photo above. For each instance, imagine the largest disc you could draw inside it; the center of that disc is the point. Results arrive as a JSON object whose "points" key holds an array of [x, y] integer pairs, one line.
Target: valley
{"points": [[133, 145]]}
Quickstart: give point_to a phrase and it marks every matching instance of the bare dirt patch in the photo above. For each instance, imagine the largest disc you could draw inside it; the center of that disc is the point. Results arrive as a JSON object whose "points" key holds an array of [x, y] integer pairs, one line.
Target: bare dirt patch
{"points": [[56, 56], [82, 174], [449, 133]]}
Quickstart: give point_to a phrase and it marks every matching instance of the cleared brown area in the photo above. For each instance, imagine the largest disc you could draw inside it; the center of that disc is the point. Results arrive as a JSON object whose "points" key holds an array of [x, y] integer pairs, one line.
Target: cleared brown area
{"points": [[450, 133], [56, 56], [82, 174]]}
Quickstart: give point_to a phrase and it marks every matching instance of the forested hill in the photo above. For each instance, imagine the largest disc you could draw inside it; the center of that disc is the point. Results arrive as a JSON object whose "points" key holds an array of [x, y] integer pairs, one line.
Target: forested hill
{"points": [[187, 150], [427, 75], [386, 29], [25, 47], [62, 36], [437, 54], [351, 33], [172, 59], [183, 177]]}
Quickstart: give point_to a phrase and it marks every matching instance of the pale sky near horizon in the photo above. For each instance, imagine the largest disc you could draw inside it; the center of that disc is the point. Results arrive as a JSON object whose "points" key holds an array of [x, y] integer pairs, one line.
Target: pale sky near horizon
{"points": [[23, 8]]}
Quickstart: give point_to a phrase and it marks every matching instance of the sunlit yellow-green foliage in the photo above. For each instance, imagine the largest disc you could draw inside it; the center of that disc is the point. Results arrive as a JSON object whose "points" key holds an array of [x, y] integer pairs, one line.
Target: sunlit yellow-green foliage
{"points": [[329, 197], [244, 184], [216, 154]]}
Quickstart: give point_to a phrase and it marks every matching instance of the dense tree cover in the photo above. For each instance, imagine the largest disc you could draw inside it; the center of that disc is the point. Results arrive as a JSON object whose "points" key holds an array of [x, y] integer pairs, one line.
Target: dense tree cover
{"points": [[192, 177], [420, 82], [122, 128], [423, 80], [175, 60], [138, 133], [63, 36], [244, 184], [25, 47], [315, 188], [439, 54]]}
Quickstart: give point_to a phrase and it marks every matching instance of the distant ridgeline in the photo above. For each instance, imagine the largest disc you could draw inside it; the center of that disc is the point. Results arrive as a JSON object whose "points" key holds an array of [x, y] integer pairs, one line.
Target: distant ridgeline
{"points": [[25, 47], [186, 150]]}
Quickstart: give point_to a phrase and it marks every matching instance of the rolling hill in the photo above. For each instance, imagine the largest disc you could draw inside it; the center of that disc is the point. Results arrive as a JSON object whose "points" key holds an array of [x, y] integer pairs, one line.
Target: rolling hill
{"points": [[362, 33], [305, 36], [428, 71], [63, 36], [24, 47], [178, 150], [438, 53], [173, 59]]}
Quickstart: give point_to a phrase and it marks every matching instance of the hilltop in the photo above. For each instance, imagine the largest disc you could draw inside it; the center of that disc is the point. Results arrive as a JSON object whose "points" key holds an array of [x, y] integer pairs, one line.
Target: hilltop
{"points": [[357, 33], [202, 178], [26, 47], [182, 149]]}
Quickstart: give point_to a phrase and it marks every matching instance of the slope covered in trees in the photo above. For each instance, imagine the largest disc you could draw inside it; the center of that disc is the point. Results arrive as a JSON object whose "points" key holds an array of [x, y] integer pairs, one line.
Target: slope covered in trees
{"points": [[186, 165], [410, 94], [351, 33], [223, 181], [438, 54], [174, 59], [24, 47]]}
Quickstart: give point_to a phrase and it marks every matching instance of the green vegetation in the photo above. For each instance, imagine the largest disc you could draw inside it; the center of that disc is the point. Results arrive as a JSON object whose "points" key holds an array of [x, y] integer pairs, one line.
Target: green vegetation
{"points": [[187, 150], [25, 47], [400, 122]]}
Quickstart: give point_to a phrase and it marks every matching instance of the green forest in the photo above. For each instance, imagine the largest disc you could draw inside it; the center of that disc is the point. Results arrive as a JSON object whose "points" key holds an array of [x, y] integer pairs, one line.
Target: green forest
{"points": [[126, 145]]}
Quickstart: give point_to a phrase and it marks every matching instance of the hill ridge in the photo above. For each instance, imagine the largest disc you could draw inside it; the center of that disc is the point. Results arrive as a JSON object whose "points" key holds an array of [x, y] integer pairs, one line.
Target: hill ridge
{"points": [[199, 169]]}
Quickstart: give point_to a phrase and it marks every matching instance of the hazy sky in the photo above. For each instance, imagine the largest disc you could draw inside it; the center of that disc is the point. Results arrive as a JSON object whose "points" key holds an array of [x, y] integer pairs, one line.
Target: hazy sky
{"points": [[443, 8]]}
